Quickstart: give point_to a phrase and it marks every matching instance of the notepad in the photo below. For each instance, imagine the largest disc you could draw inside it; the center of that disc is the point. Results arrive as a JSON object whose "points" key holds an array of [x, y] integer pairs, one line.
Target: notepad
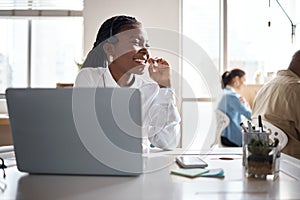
{"points": [[219, 172], [199, 172], [194, 172]]}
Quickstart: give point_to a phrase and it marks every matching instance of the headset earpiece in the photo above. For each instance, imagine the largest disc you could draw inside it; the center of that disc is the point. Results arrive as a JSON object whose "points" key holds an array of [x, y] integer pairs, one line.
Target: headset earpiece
{"points": [[112, 39]]}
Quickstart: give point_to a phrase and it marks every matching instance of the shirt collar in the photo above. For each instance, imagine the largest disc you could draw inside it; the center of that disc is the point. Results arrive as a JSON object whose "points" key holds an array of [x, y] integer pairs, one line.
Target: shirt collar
{"points": [[287, 72], [230, 88], [110, 81]]}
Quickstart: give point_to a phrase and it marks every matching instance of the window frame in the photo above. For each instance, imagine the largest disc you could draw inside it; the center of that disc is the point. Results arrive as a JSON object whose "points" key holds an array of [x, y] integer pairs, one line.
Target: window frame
{"points": [[30, 15]]}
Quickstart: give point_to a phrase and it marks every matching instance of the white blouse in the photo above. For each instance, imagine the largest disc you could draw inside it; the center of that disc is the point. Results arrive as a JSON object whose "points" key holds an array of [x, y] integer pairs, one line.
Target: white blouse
{"points": [[161, 119]]}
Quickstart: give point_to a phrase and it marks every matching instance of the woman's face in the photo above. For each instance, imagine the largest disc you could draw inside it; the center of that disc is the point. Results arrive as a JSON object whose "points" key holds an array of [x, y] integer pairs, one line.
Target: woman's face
{"points": [[131, 51], [242, 81]]}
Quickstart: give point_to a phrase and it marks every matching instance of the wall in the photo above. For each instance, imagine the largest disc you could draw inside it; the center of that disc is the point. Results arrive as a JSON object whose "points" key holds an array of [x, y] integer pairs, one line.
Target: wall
{"points": [[249, 91], [156, 13]]}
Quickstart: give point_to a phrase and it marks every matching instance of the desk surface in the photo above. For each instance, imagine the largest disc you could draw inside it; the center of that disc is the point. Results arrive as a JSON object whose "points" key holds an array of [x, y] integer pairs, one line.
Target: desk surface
{"points": [[157, 182], [4, 120]]}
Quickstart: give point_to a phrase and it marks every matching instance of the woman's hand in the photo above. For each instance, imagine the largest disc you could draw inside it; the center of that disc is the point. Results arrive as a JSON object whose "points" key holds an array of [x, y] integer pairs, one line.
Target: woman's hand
{"points": [[159, 71], [244, 101]]}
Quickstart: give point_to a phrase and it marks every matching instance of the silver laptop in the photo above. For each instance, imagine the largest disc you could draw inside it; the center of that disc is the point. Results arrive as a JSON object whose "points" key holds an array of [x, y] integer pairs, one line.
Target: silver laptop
{"points": [[84, 131]]}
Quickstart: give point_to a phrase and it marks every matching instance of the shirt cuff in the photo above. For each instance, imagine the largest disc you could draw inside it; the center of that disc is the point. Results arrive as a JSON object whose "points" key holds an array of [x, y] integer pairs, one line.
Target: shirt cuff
{"points": [[165, 96]]}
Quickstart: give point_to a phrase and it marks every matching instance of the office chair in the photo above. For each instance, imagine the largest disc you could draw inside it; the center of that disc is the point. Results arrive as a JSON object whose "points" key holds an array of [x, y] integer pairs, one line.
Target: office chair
{"points": [[222, 122]]}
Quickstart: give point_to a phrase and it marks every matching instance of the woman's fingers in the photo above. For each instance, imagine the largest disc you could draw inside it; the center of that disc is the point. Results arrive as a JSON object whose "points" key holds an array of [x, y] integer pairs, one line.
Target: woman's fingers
{"points": [[158, 62], [159, 71]]}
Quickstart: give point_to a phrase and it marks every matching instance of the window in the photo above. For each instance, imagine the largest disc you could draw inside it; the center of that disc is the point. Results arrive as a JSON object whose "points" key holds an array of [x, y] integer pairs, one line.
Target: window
{"points": [[258, 47], [41, 41], [233, 34]]}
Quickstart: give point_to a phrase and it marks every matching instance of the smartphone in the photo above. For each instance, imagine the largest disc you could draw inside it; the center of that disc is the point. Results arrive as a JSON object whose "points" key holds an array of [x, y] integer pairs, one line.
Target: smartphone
{"points": [[190, 162]]}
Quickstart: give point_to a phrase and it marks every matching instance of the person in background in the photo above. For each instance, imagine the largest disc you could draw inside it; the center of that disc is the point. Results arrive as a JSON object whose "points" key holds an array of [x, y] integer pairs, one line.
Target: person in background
{"points": [[278, 103], [234, 106], [118, 59]]}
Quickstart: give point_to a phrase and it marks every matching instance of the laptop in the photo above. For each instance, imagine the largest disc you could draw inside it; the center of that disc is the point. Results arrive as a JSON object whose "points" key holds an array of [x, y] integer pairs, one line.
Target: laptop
{"points": [[79, 131]]}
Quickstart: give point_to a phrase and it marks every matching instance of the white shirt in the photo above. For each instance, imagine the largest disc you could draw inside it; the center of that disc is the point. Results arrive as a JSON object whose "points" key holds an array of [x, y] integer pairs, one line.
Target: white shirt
{"points": [[161, 119]]}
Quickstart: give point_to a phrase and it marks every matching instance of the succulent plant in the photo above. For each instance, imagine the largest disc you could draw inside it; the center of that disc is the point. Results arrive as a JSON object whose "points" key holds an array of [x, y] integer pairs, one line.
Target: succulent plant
{"points": [[261, 147]]}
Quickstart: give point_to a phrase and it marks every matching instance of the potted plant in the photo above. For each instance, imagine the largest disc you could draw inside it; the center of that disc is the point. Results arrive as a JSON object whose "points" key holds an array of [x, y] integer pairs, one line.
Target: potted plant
{"points": [[79, 64], [261, 157]]}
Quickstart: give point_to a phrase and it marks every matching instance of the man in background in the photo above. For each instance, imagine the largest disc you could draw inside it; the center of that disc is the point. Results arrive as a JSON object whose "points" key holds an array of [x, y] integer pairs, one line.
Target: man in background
{"points": [[278, 103]]}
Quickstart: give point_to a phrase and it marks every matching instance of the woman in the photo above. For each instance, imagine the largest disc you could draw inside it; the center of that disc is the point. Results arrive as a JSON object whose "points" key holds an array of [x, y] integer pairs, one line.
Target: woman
{"points": [[234, 106], [118, 58]]}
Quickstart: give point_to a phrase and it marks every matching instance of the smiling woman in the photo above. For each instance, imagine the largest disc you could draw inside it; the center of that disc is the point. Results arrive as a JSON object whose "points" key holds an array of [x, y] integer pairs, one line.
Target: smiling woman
{"points": [[118, 59]]}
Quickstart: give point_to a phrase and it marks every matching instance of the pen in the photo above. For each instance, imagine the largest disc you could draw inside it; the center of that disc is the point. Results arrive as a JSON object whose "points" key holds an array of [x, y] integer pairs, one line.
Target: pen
{"points": [[243, 127], [260, 124], [250, 127]]}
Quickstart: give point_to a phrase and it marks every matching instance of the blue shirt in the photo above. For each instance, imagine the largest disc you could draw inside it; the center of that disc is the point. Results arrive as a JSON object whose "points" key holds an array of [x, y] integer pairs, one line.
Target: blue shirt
{"points": [[234, 109]]}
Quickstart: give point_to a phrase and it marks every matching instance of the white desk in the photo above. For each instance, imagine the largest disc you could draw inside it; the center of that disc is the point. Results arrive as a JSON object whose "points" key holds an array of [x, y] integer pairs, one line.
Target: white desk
{"points": [[158, 184]]}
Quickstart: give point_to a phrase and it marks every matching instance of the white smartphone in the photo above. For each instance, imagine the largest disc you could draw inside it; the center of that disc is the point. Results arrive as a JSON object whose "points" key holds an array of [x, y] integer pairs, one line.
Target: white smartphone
{"points": [[190, 162]]}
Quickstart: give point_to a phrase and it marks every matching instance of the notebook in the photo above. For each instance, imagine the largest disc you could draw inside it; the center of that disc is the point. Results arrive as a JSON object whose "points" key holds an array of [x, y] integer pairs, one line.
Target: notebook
{"points": [[84, 131]]}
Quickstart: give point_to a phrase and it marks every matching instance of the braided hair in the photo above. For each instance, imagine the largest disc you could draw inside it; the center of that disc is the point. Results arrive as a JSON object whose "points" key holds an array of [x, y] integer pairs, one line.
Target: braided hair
{"points": [[229, 75], [106, 32]]}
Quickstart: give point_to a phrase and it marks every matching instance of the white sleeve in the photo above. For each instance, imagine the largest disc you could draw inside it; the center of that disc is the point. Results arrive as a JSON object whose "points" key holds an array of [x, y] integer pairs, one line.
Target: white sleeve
{"points": [[161, 119]]}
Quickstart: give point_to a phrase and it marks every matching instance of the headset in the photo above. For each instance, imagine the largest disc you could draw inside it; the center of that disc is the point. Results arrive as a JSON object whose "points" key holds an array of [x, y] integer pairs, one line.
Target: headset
{"points": [[112, 39]]}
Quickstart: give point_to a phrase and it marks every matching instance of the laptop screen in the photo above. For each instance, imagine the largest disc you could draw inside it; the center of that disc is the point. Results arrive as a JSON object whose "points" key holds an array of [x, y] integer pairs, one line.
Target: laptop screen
{"points": [[90, 131]]}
